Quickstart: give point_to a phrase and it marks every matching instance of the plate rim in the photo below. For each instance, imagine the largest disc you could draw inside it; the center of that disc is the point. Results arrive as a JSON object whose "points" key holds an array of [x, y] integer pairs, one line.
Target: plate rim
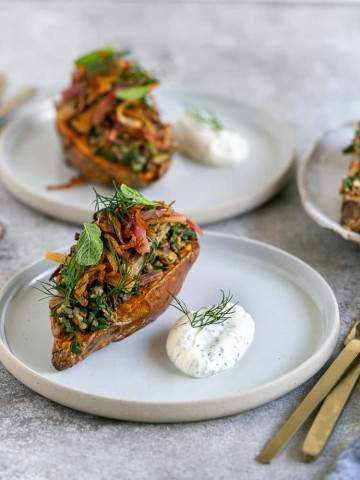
{"points": [[171, 412], [310, 208], [223, 211]]}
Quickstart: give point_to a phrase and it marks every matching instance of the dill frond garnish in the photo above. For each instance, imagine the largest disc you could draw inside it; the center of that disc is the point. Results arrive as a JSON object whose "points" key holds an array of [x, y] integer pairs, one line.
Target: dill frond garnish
{"points": [[213, 315], [126, 280], [49, 289], [123, 198], [70, 272], [205, 117], [354, 146]]}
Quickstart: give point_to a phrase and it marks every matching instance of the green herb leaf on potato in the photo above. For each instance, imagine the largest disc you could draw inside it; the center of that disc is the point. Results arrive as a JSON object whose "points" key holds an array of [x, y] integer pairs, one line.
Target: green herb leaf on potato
{"points": [[133, 93], [90, 246]]}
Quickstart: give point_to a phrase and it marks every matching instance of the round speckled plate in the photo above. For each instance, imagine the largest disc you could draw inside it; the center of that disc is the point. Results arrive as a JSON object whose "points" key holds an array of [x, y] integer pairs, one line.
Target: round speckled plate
{"points": [[31, 159], [319, 179], [295, 313]]}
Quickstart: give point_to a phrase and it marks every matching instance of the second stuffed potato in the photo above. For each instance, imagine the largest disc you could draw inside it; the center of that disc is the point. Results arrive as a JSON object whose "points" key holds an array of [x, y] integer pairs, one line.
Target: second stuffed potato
{"points": [[109, 124]]}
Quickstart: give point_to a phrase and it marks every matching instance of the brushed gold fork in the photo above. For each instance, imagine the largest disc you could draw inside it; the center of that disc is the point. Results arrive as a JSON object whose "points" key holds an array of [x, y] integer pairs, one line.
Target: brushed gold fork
{"points": [[316, 395], [332, 407]]}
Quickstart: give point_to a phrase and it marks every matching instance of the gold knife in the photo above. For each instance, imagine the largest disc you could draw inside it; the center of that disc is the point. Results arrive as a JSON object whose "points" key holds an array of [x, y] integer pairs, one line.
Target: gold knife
{"points": [[14, 101], [312, 400], [331, 409]]}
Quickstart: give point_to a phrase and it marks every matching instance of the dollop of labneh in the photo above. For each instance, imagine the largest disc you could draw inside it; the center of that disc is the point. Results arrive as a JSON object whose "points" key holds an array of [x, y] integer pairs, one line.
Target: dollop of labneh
{"points": [[207, 350], [202, 137]]}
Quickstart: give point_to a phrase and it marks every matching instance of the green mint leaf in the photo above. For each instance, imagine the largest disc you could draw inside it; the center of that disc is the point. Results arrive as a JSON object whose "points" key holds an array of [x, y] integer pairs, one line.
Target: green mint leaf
{"points": [[90, 246], [135, 197], [133, 93], [95, 56], [100, 61]]}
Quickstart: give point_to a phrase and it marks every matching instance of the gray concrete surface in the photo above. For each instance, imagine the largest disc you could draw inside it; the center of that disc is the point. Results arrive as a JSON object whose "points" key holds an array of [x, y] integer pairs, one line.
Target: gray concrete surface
{"points": [[301, 63]]}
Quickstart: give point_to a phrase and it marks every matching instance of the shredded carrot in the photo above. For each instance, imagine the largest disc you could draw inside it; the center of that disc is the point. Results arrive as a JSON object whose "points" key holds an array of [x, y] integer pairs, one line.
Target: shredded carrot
{"points": [[55, 257]]}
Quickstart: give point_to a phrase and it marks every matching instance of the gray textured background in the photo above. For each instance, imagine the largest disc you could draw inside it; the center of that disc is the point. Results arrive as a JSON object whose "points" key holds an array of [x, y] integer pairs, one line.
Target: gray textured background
{"points": [[301, 62]]}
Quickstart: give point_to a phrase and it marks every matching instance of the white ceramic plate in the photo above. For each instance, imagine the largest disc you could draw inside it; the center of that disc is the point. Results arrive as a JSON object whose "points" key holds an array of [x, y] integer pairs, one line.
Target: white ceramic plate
{"points": [[297, 324], [319, 179], [31, 159]]}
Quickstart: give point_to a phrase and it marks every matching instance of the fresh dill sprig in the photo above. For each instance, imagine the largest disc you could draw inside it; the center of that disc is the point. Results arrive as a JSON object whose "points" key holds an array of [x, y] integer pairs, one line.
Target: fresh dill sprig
{"points": [[150, 257], [123, 198], [205, 117], [125, 274], [49, 289], [214, 315], [70, 272]]}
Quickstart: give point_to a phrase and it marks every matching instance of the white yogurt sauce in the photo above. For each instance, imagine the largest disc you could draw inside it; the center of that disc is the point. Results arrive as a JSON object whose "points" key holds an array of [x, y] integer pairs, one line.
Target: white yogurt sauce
{"points": [[217, 147], [205, 351]]}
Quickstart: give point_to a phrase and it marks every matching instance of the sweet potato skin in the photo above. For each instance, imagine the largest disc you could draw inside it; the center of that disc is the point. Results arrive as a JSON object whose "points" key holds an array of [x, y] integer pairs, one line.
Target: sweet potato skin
{"points": [[133, 315], [98, 169], [350, 214]]}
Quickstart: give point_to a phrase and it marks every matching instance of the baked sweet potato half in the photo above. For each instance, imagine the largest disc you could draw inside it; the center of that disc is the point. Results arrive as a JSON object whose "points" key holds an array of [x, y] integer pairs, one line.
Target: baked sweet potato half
{"points": [[350, 188], [108, 122], [119, 276]]}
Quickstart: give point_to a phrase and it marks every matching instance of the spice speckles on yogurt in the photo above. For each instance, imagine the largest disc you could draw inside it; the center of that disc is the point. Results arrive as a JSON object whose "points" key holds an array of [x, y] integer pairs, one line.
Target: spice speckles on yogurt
{"points": [[208, 348]]}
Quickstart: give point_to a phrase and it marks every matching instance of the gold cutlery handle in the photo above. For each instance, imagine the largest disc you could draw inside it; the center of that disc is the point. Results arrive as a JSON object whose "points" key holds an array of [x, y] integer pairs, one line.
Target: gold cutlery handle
{"points": [[329, 414], [14, 101], [311, 401]]}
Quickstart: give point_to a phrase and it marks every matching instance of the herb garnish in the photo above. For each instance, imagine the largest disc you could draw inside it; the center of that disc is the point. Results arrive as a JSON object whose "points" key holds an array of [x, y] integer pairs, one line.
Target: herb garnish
{"points": [[205, 117], [354, 146], [123, 198], [133, 93], [48, 289], [348, 182], [90, 246], [70, 273], [137, 74], [100, 61], [135, 197], [126, 281], [87, 251], [214, 315]]}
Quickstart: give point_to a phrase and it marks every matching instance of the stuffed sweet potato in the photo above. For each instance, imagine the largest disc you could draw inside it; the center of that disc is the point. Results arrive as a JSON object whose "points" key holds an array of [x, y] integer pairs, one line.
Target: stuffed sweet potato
{"points": [[350, 188], [108, 122], [119, 276]]}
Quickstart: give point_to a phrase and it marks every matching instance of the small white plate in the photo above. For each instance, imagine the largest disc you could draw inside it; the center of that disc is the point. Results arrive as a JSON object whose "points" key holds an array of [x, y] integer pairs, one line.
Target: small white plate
{"points": [[319, 179], [297, 323], [31, 159]]}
